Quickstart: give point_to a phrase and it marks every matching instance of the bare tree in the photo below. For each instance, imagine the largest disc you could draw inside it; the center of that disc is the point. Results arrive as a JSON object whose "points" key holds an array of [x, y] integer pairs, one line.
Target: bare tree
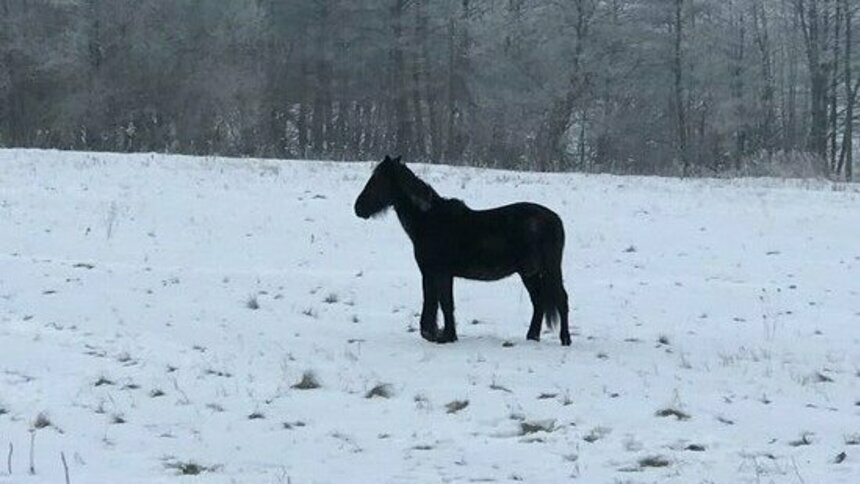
{"points": [[634, 86]]}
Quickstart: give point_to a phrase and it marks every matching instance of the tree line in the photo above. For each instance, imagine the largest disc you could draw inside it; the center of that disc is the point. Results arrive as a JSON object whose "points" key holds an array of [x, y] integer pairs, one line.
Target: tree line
{"points": [[686, 87]]}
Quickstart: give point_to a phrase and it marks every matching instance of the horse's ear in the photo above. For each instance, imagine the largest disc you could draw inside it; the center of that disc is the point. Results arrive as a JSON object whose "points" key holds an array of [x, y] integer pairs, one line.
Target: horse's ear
{"points": [[397, 160], [387, 159]]}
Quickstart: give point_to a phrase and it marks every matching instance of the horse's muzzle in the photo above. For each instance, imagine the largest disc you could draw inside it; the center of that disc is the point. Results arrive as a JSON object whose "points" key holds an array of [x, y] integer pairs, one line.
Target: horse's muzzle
{"points": [[361, 213]]}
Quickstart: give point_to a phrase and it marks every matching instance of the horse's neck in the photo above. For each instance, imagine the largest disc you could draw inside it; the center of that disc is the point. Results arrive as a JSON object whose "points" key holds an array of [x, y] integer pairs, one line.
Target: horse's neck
{"points": [[415, 200], [409, 221], [411, 217]]}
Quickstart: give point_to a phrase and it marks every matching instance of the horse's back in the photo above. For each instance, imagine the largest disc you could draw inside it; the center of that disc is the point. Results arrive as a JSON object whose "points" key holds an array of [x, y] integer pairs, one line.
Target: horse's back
{"points": [[530, 219]]}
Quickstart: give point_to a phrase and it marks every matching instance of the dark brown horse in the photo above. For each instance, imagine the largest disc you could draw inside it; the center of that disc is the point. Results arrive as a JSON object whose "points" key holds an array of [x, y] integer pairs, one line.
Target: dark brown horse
{"points": [[452, 240]]}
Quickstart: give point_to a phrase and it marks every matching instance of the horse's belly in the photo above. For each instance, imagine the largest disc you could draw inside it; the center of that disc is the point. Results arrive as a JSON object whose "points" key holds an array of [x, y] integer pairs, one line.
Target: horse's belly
{"points": [[485, 273], [491, 259]]}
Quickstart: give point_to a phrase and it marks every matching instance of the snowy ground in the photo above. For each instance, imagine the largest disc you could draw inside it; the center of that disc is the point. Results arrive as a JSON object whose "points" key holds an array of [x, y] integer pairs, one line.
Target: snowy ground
{"points": [[156, 311]]}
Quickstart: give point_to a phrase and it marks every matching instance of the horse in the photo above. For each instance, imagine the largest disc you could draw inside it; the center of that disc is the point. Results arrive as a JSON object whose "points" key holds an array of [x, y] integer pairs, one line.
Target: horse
{"points": [[452, 240]]}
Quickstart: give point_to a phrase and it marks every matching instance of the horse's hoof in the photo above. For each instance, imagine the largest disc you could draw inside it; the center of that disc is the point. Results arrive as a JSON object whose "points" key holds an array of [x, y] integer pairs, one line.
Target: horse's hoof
{"points": [[565, 340], [432, 336], [446, 338], [533, 337]]}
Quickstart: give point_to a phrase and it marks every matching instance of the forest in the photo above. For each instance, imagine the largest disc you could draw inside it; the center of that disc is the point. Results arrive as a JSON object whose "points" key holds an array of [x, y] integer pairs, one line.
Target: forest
{"points": [[668, 87]]}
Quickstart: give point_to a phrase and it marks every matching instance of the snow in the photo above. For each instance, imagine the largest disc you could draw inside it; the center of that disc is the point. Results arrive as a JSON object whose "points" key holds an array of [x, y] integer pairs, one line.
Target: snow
{"points": [[127, 287]]}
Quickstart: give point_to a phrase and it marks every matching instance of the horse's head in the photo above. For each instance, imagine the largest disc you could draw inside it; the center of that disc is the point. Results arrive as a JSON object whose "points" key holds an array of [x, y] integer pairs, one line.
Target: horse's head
{"points": [[378, 194]]}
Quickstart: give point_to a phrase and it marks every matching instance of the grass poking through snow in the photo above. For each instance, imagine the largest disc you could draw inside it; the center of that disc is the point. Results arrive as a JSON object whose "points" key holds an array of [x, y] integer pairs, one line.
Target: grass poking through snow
{"points": [[190, 468], [309, 381], [382, 390], [673, 412], [456, 405]]}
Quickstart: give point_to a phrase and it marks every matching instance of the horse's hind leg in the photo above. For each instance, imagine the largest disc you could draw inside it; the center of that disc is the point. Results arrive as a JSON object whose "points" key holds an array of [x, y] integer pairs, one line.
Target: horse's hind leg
{"points": [[533, 285], [561, 301], [446, 300]]}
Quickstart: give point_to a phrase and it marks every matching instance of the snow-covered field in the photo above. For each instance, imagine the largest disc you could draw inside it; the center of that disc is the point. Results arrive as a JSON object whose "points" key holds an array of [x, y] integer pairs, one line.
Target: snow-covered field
{"points": [[157, 311]]}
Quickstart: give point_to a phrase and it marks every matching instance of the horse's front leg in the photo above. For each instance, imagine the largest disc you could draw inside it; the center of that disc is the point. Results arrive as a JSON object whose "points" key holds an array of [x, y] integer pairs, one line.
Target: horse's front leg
{"points": [[446, 300], [429, 329]]}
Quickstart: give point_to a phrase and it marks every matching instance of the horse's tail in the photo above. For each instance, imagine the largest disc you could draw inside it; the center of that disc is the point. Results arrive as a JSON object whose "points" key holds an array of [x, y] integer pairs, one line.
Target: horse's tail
{"points": [[550, 308], [552, 290], [552, 294]]}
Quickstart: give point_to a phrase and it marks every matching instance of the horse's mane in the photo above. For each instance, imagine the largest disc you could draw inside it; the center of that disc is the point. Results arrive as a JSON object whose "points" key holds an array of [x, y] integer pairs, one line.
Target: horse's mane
{"points": [[419, 192]]}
